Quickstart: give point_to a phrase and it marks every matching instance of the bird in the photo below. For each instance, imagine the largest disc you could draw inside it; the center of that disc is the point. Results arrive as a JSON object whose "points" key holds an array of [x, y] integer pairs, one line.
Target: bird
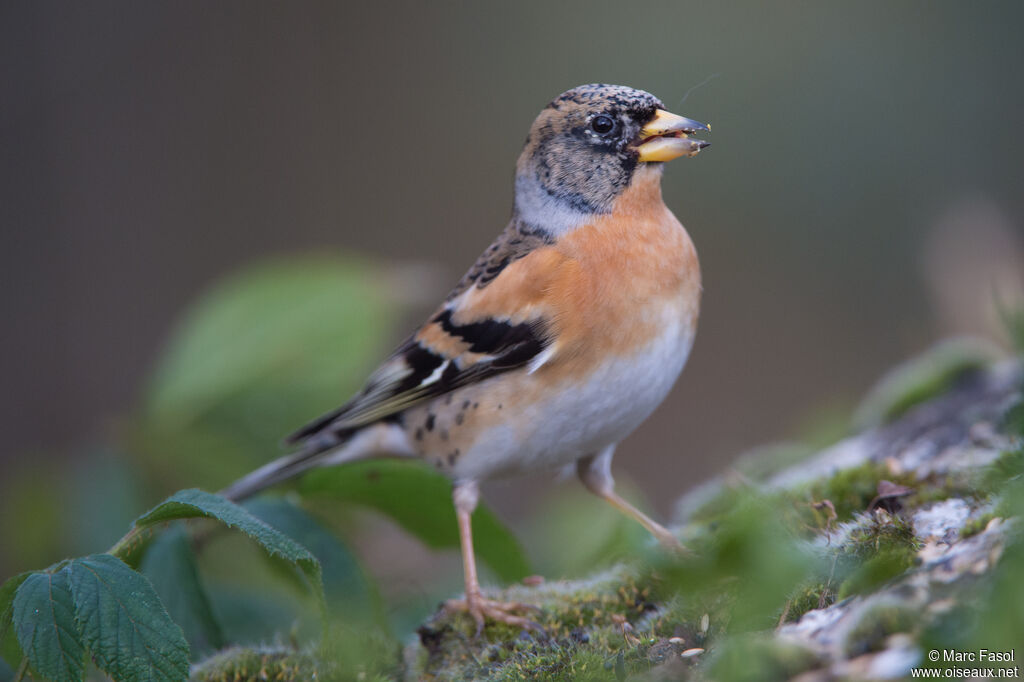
{"points": [[559, 341]]}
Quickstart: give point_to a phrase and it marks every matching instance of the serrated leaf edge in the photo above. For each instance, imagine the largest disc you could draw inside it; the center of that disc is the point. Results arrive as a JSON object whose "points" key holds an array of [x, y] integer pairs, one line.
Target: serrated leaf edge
{"points": [[123, 609]]}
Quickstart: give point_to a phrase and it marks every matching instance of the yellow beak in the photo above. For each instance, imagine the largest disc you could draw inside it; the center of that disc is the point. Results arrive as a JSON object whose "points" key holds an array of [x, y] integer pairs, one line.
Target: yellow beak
{"points": [[666, 137]]}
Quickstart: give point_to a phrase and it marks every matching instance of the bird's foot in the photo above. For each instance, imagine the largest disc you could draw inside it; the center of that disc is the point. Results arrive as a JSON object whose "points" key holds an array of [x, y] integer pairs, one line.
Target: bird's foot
{"points": [[483, 609]]}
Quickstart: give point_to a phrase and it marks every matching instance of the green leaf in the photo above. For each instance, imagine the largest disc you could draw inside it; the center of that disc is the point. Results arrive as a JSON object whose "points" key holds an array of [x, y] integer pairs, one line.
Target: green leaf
{"points": [[193, 503], [170, 566], [420, 501], [10, 650], [256, 357], [128, 631], [311, 324], [44, 617], [348, 592]]}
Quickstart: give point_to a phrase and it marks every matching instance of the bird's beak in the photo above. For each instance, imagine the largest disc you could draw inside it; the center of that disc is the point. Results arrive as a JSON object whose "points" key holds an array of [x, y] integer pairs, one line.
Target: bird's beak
{"points": [[667, 137]]}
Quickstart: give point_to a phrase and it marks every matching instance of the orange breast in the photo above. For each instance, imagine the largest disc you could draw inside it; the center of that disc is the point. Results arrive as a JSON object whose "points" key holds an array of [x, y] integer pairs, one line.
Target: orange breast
{"points": [[627, 276], [607, 288]]}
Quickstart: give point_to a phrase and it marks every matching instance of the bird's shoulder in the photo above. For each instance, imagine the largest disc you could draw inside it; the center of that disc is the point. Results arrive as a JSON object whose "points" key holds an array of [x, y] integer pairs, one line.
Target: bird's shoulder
{"points": [[494, 320], [516, 241]]}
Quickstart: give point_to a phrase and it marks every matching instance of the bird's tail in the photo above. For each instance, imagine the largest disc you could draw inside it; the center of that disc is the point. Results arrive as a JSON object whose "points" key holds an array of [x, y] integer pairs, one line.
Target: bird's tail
{"points": [[314, 452], [267, 475]]}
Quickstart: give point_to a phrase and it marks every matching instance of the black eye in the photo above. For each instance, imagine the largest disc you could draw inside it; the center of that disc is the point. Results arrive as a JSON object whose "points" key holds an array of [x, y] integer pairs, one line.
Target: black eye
{"points": [[602, 125]]}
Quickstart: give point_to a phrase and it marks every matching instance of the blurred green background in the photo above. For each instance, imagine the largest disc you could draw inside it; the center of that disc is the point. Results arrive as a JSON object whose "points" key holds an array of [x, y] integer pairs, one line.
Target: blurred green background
{"points": [[217, 217]]}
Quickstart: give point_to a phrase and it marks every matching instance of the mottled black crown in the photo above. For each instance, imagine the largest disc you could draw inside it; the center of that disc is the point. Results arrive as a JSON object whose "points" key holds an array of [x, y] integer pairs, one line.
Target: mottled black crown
{"points": [[629, 99]]}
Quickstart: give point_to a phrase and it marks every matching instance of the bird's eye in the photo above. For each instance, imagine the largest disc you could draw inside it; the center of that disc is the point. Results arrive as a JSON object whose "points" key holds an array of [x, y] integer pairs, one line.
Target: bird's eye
{"points": [[602, 125]]}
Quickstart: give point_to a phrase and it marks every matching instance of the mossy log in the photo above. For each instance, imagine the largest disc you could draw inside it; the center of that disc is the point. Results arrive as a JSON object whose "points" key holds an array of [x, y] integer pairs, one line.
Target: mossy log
{"points": [[905, 525]]}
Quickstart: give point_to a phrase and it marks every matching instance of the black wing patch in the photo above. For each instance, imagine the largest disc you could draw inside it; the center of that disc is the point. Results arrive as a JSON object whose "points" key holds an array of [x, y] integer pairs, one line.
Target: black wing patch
{"points": [[414, 373]]}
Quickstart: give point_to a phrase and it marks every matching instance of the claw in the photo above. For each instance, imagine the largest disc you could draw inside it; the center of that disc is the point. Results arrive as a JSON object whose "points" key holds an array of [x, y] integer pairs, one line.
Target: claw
{"points": [[482, 609]]}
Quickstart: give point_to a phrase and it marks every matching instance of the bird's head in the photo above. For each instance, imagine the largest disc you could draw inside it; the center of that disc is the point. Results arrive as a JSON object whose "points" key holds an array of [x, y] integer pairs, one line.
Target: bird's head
{"points": [[585, 148]]}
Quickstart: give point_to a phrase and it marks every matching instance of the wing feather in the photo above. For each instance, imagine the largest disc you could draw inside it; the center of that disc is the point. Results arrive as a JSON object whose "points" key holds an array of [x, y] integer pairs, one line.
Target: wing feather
{"points": [[454, 349]]}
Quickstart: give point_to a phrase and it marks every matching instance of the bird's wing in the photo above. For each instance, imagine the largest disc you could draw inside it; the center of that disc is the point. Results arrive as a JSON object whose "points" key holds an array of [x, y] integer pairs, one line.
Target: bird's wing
{"points": [[495, 320]]}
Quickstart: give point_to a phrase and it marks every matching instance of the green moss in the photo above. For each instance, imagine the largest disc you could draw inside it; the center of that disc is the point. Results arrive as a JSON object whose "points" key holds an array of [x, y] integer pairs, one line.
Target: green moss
{"points": [[875, 572], [276, 664], [876, 624], [586, 625], [975, 526], [881, 547], [808, 597], [694, 621], [852, 490], [877, 553], [849, 490], [885, 532], [566, 662]]}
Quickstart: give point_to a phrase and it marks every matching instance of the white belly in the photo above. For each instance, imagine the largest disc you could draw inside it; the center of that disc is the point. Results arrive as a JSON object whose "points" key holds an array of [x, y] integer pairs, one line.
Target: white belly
{"points": [[585, 417]]}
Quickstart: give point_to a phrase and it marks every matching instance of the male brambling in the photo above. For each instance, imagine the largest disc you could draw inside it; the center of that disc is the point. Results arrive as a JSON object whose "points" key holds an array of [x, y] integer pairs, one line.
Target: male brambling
{"points": [[560, 340]]}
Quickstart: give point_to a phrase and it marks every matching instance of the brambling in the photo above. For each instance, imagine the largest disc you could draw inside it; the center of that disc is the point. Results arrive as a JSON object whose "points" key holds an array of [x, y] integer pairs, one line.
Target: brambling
{"points": [[560, 340]]}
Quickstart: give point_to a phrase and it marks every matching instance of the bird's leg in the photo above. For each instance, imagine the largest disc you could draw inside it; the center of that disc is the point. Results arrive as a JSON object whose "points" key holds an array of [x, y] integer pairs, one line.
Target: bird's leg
{"points": [[466, 495], [595, 472]]}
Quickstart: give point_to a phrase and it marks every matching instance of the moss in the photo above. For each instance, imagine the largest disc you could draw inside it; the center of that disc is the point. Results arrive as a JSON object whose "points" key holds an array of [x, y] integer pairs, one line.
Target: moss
{"points": [[849, 490], [275, 664], [874, 572], [693, 621], [876, 624], [976, 525], [808, 597], [568, 662], [880, 547], [587, 624], [852, 490], [885, 532], [881, 550]]}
